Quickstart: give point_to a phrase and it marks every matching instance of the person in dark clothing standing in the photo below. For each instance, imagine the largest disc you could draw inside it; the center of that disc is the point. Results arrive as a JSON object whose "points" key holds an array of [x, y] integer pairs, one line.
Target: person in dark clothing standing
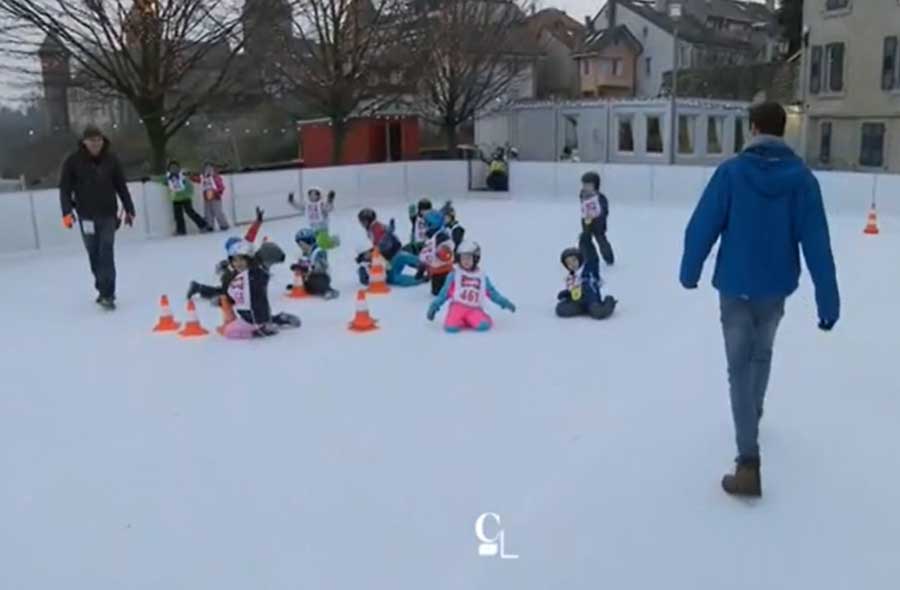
{"points": [[90, 181], [763, 206], [594, 216]]}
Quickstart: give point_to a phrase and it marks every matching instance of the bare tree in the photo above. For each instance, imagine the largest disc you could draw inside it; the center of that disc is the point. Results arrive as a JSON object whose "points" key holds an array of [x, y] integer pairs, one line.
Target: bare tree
{"points": [[166, 58], [344, 57], [476, 50]]}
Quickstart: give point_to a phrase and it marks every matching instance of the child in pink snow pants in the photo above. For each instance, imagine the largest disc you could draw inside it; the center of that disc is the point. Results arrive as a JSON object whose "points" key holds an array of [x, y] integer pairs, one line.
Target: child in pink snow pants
{"points": [[467, 288]]}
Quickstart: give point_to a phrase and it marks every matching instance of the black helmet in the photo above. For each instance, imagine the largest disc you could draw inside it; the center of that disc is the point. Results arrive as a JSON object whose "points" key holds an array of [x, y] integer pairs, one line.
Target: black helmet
{"points": [[424, 205], [592, 178], [571, 252], [269, 254], [366, 216]]}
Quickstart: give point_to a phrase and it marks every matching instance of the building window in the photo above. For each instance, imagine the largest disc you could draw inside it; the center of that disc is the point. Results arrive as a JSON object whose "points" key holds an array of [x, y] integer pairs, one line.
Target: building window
{"points": [[618, 67], [586, 67], [834, 57], [648, 64], [714, 128], [738, 134], [686, 125], [815, 70], [836, 4], [871, 153], [889, 64], [825, 142], [570, 139], [654, 135], [626, 134]]}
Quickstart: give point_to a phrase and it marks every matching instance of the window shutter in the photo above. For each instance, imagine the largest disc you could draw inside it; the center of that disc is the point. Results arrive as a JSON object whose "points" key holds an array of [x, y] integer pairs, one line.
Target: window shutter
{"points": [[889, 64]]}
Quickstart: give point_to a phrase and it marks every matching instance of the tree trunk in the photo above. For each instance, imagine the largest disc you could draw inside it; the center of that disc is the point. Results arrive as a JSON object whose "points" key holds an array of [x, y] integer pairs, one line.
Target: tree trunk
{"points": [[156, 136], [339, 135], [450, 134]]}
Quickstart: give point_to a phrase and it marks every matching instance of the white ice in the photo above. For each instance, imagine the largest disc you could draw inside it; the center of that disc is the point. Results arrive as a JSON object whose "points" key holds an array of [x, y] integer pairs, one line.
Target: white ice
{"points": [[324, 459]]}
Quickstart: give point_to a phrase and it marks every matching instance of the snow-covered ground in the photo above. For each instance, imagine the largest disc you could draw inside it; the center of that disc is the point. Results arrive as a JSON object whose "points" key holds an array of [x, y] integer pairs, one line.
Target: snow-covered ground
{"points": [[325, 459]]}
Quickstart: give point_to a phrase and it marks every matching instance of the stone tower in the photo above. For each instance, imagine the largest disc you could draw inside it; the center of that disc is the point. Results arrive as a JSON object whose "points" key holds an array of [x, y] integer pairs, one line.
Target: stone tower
{"points": [[56, 72]]}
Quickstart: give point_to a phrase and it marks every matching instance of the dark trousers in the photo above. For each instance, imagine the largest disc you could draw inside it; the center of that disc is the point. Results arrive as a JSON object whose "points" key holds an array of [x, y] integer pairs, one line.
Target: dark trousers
{"points": [[180, 209], [317, 283], [599, 310], [596, 230], [437, 283], [749, 329], [99, 238]]}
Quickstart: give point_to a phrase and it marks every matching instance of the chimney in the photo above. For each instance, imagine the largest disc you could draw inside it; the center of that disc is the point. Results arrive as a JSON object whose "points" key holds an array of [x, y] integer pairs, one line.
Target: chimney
{"points": [[589, 24], [662, 6], [611, 17]]}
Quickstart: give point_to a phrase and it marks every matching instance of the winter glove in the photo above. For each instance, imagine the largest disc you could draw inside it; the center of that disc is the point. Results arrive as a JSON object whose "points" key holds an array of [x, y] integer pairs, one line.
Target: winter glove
{"points": [[432, 310], [331, 196], [827, 325], [392, 227], [509, 305], [363, 257], [291, 198], [259, 215], [129, 219], [413, 210], [688, 285], [68, 221]]}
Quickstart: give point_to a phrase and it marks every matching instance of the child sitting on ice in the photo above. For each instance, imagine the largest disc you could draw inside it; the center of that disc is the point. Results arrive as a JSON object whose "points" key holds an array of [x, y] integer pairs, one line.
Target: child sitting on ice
{"points": [[248, 292], [312, 265], [467, 287], [457, 231], [417, 235], [223, 268], [317, 213], [436, 255], [582, 293], [382, 237]]}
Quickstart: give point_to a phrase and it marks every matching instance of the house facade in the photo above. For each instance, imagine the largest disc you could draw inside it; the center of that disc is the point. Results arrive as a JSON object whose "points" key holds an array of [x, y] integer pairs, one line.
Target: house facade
{"points": [[710, 33], [558, 36], [851, 84], [608, 63]]}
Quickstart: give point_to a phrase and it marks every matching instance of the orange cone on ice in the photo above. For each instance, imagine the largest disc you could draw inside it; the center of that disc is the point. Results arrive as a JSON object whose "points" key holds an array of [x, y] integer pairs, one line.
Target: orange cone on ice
{"points": [[227, 313], [872, 223], [377, 275], [166, 321], [192, 327], [362, 321], [298, 291]]}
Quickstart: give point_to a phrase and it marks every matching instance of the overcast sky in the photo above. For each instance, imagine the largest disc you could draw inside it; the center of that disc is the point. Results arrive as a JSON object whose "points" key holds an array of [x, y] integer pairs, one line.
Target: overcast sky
{"points": [[578, 9]]}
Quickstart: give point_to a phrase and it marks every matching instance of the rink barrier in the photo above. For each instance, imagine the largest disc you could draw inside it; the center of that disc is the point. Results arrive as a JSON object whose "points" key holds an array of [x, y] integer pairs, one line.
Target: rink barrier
{"points": [[31, 220]]}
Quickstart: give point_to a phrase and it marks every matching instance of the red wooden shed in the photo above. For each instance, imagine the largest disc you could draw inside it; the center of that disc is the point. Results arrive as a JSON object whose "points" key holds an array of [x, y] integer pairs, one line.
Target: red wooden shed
{"points": [[369, 140]]}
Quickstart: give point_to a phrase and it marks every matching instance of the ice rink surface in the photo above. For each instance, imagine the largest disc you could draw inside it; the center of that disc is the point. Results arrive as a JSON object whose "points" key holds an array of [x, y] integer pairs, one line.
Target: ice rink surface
{"points": [[323, 459]]}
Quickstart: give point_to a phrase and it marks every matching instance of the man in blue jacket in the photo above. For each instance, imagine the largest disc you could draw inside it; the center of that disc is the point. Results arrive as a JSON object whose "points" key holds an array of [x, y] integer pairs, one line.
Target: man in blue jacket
{"points": [[763, 206]]}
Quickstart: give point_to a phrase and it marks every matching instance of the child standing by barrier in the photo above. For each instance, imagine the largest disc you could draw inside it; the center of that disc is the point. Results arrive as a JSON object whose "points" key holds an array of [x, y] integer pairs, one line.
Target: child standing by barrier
{"points": [[181, 193], [212, 187]]}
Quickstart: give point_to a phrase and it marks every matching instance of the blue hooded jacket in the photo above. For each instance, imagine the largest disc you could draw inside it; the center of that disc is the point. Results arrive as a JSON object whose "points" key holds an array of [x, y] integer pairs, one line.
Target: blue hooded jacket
{"points": [[764, 204]]}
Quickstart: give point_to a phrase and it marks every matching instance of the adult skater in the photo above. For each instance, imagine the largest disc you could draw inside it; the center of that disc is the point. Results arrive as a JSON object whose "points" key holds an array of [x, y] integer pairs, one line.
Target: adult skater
{"points": [[91, 179], [764, 205]]}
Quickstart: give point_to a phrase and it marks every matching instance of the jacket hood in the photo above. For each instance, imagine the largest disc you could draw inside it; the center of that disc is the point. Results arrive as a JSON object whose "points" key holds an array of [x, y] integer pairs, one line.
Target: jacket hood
{"points": [[771, 168], [103, 151]]}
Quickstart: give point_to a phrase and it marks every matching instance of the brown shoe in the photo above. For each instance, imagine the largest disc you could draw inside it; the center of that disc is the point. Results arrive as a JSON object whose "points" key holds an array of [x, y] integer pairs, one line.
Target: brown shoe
{"points": [[745, 481]]}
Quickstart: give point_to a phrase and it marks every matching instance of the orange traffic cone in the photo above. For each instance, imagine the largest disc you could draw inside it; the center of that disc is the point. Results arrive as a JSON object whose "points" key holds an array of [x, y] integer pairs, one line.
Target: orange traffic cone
{"points": [[377, 276], [192, 327], [227, 313], [166, 321], [298, 291], [872, 223], [362, 321]]}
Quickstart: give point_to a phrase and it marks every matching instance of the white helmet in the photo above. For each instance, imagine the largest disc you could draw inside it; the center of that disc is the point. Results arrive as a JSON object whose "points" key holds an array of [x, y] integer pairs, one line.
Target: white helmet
{"points": [[240, 248], [469, 247]]}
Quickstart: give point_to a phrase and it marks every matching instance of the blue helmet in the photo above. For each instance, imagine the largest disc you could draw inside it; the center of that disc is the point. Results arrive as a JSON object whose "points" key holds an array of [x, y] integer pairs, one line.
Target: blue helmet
{"points": [[434, 221], [230, 242], [305, 236]]}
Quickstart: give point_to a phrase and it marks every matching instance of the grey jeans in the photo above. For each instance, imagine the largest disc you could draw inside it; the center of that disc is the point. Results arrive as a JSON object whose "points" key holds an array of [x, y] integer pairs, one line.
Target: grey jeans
{"points": [[749, 329], [212, 212]]}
